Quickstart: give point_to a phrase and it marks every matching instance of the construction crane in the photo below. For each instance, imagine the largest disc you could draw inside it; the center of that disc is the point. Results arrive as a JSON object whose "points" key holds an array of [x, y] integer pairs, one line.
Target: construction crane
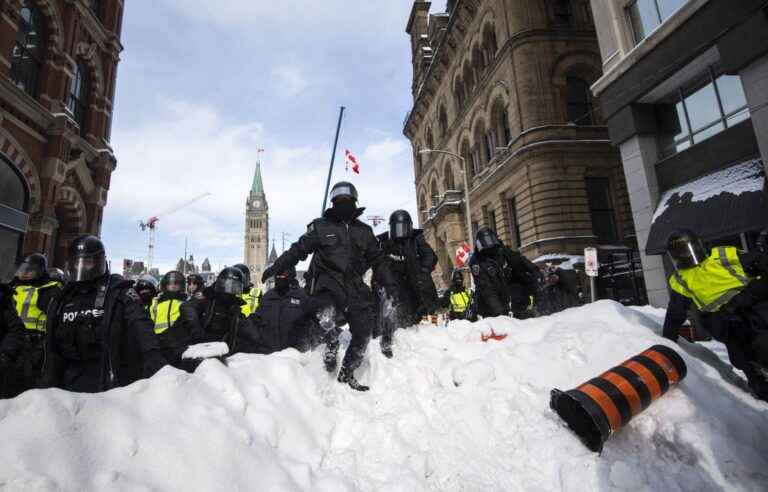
{"points": [[151, 224]]}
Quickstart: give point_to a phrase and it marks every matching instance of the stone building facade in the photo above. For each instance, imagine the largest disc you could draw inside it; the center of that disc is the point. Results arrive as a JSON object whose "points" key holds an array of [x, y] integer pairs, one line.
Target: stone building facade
{"points": [[256, 227], [504, 84], [58, 66]]}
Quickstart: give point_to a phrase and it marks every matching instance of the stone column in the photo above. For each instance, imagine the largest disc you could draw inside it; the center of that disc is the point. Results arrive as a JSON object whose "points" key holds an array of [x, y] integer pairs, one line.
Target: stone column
{"points": [[639, 154], [754, 79]]}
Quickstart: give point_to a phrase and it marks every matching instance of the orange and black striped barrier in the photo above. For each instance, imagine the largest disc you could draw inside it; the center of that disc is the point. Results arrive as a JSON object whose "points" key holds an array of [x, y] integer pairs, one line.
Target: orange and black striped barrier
{"points": [[605, 404]]}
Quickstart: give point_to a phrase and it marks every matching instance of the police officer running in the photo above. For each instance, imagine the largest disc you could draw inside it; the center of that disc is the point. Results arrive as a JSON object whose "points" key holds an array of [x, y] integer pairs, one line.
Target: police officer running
{"points": [[457, 298], [343, 249], [504, 279], [33, 292], [98, 336], [411, 261], [729, 290]]}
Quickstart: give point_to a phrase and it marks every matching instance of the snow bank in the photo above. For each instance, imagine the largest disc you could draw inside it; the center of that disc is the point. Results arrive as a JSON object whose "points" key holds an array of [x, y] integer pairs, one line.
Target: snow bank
{"points": [[449, 412]]}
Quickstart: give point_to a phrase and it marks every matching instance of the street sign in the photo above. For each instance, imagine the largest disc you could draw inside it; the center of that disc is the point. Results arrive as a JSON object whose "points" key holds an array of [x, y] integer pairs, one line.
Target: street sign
{"points": [[591, 265], [462, 255]]}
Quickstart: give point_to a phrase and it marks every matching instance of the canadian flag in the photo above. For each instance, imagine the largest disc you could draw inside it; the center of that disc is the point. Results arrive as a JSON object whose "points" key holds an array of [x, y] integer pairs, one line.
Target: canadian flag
{"points": [[462, 255], [351, 159]]}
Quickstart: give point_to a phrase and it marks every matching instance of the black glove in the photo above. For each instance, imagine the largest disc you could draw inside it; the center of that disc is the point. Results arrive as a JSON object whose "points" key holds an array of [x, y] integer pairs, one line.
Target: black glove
{"points": [[269, 272]]}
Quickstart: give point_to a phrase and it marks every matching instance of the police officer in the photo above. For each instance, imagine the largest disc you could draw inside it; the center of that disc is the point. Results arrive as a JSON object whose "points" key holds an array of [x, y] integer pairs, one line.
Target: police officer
{"points": [[195, 286], [722, 285], [559, 290], [251, 295], [343, 250], [217, 316], [58, 275], [146, 287], [173, 336], [504, 279], [411, 261], [11, 340], [283, 319], [98, 335], [33, 292], [457, 298]]}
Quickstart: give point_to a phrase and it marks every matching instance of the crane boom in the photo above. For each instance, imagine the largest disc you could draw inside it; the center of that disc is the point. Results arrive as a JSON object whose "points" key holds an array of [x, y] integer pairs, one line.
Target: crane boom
{"points": [[151, 224]]}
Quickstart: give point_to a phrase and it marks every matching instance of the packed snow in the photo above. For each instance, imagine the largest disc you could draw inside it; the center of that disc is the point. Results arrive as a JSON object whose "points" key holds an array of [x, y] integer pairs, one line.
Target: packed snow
{"points": [[561, 260], [449, 412], [746, 177]]}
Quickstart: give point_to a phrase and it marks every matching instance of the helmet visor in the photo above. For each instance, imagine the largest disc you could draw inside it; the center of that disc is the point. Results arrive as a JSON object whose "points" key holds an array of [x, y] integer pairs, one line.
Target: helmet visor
{"points": [[687, 254], [28, 271], [232, 286], [343, 191], [85, 268], [486, 241], [400, 230]]}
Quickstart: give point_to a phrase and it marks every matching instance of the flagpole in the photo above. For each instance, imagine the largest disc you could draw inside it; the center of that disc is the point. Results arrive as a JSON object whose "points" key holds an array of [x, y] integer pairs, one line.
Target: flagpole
{"points": [[333, 157]]}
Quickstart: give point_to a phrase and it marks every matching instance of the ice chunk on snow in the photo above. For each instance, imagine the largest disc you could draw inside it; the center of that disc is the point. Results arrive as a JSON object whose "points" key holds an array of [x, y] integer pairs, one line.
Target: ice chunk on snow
{"points": [[206, 350], [279, 422]]}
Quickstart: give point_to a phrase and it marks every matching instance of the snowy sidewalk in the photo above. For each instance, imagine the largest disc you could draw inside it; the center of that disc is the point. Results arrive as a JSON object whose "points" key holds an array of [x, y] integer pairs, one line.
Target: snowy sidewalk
{"points": [[449, 412]]}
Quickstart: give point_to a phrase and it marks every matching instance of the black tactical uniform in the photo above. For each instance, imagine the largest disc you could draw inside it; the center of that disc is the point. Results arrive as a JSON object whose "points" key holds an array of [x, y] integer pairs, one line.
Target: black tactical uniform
{"points": [[344, 249], [559, 291], [411, 261], [217, 315], [505, 280], [33, 292], [98, 336], [284, 318], [173, 334], [11, 330]]}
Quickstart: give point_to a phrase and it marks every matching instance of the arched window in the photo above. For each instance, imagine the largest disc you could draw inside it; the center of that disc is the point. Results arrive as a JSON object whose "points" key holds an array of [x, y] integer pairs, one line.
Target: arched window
{"points": [[430, 139], [423, 208], [478, 63], [443, 122], [490, 45], [466, 153], [579, 101], [448, 178], [562, 12], [417, 159], [434, 193], [29, 51], [14, 199], [78, 96], [500, 122], [469, 80], [458, 93], [480, 154]]}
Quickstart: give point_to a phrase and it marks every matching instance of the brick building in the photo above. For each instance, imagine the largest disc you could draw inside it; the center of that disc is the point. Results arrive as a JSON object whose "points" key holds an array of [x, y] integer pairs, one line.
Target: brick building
{"points": [[58, 63], [504, 84]]}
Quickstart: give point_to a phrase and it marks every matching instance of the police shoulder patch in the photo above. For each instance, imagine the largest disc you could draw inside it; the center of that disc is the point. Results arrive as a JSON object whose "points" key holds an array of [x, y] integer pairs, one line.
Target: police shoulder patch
{"points": [[132, 295]]}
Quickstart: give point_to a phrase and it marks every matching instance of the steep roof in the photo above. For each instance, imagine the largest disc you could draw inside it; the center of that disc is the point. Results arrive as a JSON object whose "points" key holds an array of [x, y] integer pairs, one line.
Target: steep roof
{"points": [[272, 254], [257, 188]]}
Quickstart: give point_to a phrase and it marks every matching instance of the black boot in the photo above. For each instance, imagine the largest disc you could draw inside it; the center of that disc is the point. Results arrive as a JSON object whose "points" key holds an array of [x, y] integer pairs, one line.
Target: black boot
{"points": [[347, 376], [331, 355]]}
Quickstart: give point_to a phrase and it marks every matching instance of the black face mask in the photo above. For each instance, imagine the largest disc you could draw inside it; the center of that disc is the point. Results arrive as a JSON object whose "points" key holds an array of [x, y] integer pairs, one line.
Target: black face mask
{"points": [[282, 284], [146, 296], [345, 209]]}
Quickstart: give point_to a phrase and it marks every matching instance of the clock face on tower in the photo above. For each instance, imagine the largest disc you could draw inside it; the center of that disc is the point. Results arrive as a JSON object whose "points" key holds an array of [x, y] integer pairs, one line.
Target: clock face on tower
{"points": [[257, 203]]}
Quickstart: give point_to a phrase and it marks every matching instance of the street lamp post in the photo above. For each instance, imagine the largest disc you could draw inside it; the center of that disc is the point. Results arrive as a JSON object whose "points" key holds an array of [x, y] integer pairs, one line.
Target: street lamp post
{"points": [[466, 187]]}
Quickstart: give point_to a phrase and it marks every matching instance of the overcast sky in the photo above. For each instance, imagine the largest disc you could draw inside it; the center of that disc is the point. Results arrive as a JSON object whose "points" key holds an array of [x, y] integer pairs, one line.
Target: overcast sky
{"points": [[203, 84]]}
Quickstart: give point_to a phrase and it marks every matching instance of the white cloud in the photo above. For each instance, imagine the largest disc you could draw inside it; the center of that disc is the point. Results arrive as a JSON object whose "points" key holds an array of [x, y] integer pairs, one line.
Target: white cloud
{"points": [[190, 149], [289, 80]]}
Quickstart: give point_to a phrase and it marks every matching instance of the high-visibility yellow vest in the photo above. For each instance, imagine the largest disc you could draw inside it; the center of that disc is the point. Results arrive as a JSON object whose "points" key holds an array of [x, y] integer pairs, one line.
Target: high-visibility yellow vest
{"points": [[252, 300], [26, 297], [460, 301], [164, 314], [714, 282]]}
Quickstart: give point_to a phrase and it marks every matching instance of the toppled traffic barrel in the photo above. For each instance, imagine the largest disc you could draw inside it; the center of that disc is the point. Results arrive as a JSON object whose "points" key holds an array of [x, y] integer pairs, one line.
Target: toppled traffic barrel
{"points": [[605, 404]]}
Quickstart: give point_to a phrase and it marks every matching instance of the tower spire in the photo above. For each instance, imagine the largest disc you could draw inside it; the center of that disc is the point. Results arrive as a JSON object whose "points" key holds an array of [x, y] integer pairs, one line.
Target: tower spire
{"points": [[257, 188]]}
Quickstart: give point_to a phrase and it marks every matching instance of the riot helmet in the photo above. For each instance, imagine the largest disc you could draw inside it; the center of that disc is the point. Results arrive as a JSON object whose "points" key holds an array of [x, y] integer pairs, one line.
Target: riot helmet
{"points": [[343, 189], [284, 278], [400, 225], [58, 274], [246, 274], [685, 249], [762, 242], [87, 259], [486, 239], [33, 267], [230, 281], [146, 287], [457, 279], [173, 281]]}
